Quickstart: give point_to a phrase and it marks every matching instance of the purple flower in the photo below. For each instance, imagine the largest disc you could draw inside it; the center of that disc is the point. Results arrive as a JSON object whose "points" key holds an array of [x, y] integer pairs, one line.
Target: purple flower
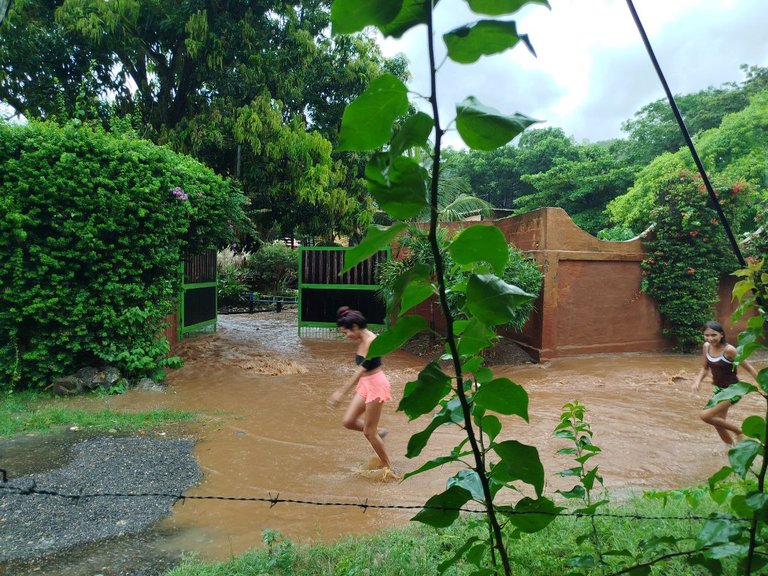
{"points": [[179, 193]]}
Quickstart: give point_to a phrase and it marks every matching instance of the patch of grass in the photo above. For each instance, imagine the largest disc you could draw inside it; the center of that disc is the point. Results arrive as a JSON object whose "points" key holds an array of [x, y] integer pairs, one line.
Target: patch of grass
{"points": [[26, 412], [416, 549]]}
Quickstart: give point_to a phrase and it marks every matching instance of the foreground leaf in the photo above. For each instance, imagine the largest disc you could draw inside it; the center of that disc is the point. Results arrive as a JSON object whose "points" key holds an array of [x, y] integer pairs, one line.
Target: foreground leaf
{"points": [[468, 43], [441, 510], [391, 339], [480, 244], [519, 462], [499, 7], [503, 396], [367, 121], [349, 16], [485, 128], [421, 397], [493, 301], [376, 238]]}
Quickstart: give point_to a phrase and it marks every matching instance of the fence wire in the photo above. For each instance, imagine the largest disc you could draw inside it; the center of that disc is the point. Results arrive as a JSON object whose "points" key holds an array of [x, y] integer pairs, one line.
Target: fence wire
{"points": [[364, 505]]}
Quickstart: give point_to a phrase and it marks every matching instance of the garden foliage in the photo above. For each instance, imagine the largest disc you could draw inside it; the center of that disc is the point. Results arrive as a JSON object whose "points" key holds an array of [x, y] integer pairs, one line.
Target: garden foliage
{"points": [[93, 233], [687, 254]]}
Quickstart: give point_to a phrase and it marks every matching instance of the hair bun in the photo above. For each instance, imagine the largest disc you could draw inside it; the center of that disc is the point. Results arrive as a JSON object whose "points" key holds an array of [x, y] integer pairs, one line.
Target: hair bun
{"points": [[343, 311]]}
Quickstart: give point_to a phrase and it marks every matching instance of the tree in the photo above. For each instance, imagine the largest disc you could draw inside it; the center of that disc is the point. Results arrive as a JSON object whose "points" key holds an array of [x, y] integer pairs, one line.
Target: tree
{"points": [[581, 186], [253, 89]]}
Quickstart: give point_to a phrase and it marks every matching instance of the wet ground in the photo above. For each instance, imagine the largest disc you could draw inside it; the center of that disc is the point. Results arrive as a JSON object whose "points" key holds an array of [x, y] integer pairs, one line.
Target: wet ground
{"points": [[266, 432]]}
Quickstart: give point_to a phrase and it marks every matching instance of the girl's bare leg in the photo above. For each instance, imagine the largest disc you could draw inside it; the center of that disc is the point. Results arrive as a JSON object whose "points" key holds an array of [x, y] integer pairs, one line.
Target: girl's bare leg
{"points": [[355, 410], [716, 416], [371, 431]]}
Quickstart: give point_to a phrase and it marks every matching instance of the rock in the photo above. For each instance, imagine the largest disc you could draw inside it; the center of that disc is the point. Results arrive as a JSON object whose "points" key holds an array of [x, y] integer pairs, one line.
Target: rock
{"points": [[92, 378], [111, 377], [149, 385], [67, 385]]}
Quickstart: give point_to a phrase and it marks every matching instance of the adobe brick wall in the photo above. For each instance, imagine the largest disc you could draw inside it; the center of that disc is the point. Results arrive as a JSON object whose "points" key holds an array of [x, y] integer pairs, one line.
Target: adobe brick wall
{"points": [[591, 300]]}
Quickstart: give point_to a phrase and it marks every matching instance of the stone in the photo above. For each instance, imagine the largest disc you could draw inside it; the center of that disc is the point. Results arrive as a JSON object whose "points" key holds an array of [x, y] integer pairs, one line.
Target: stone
{"points": [[111, 377], [67, 385]]}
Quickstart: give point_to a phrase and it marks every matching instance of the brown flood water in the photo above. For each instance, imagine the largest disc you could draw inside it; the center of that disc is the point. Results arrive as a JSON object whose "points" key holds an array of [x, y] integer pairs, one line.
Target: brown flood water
{"points": [[267, 432]]}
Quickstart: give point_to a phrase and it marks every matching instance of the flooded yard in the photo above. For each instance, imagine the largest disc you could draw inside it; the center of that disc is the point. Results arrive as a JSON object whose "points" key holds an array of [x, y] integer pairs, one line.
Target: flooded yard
{"points": [[265, 432]]}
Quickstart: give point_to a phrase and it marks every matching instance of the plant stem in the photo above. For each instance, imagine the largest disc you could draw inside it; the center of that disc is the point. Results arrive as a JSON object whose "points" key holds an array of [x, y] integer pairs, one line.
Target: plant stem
{"points": [[450, 336], [760, 488]]}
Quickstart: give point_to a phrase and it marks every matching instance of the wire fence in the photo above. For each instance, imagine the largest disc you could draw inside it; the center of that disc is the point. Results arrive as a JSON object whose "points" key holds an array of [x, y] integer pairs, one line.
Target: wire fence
{"points": [[364, 505]]}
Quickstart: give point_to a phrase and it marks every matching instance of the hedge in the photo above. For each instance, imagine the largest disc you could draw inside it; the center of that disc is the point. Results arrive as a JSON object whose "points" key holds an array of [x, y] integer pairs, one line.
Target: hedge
{"points": [[93, 227]]}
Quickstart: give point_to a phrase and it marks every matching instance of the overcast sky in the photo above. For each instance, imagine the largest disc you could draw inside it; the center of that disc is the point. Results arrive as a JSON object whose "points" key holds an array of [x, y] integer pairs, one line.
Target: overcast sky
{"points": [[591, 71]]}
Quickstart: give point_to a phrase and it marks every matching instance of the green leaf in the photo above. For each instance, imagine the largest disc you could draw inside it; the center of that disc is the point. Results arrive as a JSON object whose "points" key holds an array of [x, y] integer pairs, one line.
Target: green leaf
{"points": [[503, 396], [415, 293], [582, 561], [470, 481], [534, 515], [519, 462], [420, 397], [742, 455], [480, 244], [348, 16], [367, 121], [493, 301], [468, 43], [575, 492], [754, 427], [430, 465], [376, 238], [414, 133], [499, 7], [733, 392], [443, 566], [719, 476], [413, 13], [441, 510], [451, 413], [726, 550], [491, 425], [475, 337], [397, 335], [718, 531], [418, 272], [762, 379], [485, 128], [398, 185]]}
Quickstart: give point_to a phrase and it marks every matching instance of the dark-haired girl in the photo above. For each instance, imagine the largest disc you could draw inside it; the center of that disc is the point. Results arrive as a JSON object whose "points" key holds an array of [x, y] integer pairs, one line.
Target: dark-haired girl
{"points": [[718, 359], [372, 386]]}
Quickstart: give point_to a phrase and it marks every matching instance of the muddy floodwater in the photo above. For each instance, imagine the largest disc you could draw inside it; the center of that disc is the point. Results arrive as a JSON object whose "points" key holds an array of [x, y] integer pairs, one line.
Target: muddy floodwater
{"points": [[265, 432]]}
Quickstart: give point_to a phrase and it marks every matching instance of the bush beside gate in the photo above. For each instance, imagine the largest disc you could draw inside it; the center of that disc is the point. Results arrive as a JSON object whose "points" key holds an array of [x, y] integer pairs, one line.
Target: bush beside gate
{"points": [[93, 230]]}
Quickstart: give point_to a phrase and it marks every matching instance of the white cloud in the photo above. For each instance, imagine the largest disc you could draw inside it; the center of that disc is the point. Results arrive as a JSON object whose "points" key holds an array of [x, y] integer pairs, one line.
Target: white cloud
{"points": [[592, 72]]}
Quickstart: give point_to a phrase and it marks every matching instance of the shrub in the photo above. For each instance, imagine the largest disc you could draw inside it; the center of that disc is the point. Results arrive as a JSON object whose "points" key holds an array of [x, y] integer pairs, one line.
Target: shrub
{"points": [[274, 268], [93, 231], [686, 257], [520, 271]]}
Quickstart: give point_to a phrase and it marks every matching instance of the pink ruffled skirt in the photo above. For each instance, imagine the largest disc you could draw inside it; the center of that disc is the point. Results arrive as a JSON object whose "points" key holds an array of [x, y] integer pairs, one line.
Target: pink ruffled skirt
{"points": [[374, 388]]}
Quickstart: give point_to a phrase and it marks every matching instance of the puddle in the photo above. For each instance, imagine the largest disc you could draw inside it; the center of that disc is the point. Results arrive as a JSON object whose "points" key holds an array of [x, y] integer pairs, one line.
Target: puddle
{"points": [[267, 432]]}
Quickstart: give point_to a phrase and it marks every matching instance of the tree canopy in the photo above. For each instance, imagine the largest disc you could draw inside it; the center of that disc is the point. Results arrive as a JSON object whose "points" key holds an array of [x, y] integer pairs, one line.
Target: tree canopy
{"points": [[252, 89]]}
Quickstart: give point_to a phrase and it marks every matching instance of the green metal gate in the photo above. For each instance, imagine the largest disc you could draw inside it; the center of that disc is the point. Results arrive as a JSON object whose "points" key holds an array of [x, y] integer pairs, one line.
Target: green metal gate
{"points": [[197, 304], [322, 290]]}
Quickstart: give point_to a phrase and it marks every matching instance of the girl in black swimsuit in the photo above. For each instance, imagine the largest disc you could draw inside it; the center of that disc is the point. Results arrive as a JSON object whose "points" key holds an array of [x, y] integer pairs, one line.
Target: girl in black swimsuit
{"points": [[718, 359]]}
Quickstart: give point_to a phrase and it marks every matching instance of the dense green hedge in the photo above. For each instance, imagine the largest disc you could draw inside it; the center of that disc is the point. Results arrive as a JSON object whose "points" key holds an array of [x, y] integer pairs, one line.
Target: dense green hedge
{"points": [[92, 230]]}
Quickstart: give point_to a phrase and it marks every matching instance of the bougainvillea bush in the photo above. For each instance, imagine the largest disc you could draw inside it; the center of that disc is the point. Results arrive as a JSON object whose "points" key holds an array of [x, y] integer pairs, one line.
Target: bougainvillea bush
{"points": [[687, 255], [93, 227]]}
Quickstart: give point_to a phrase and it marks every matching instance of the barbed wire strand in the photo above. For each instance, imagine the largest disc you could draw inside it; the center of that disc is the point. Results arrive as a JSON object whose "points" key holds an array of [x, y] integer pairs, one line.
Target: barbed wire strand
{"points": [[365, 505]]}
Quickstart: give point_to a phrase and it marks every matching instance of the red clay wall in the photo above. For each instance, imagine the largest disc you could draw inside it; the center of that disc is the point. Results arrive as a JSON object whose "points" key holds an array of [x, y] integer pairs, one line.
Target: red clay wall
{"points": [[591, 300]]}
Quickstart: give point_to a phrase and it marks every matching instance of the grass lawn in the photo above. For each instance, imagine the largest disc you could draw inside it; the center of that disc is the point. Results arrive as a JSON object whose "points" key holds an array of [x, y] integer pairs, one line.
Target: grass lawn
{"points": [[419, 550], [28, 412]]}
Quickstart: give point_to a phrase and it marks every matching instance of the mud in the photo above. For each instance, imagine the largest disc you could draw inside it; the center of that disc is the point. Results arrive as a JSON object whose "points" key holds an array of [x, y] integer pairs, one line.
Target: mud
{"points": [[266, 432]]}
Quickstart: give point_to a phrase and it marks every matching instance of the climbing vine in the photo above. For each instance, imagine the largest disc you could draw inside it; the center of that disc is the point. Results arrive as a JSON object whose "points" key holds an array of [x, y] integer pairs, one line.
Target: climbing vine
{"points": [[687, 255]]}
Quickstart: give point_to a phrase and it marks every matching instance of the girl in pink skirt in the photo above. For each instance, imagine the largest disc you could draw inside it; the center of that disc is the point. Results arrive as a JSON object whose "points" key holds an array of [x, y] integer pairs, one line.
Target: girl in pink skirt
{"points": [[372, 386]]}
